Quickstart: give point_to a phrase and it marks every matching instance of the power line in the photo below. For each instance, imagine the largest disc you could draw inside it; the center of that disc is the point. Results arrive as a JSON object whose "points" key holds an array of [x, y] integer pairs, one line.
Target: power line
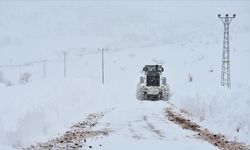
{"points": [[44, 62]]}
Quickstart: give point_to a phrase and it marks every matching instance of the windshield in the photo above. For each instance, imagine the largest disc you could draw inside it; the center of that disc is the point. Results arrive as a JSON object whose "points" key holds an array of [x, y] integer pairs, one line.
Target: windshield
{"points": [[153, 80]]}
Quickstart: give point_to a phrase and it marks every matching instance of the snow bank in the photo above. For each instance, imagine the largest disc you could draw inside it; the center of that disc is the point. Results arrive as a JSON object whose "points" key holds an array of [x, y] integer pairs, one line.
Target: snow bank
{"points": [[40, 110], [221, 110]]}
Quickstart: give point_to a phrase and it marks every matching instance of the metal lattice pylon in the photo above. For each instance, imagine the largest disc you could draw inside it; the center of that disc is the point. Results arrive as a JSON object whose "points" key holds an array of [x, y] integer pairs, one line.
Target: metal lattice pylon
{"points": [[225, 70]]}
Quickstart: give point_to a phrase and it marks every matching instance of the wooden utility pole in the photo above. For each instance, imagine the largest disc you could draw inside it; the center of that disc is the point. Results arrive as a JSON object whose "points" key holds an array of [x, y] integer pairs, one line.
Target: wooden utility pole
{"points": [[44, 68], [64, 60], [103, 66]]}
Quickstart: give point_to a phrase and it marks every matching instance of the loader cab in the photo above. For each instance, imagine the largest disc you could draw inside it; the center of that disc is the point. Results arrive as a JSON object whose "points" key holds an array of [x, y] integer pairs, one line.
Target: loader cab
{"points": [[153, 73]]}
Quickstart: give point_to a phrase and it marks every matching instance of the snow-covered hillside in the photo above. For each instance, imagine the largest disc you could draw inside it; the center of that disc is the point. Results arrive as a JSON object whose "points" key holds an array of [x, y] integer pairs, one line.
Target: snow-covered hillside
{"points": [[185, 37]]}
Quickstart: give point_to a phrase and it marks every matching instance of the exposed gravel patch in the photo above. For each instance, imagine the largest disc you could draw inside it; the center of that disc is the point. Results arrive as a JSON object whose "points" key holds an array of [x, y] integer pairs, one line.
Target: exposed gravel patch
{"points": [[75, 138]]}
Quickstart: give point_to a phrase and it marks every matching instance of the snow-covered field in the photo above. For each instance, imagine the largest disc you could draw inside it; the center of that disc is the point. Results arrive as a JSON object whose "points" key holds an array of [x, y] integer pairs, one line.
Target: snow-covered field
{"points": [[185, 37]]}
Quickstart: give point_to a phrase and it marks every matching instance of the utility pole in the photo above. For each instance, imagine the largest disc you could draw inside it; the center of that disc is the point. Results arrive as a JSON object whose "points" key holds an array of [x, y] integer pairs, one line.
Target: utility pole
{"points": [[44, 68], [103, 66], [225, 70], [102, 50], [64, 60]]}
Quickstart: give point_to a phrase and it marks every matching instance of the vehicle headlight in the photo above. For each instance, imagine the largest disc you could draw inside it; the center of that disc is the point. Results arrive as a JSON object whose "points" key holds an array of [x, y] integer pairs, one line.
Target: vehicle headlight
{"points": [[144, 87]]}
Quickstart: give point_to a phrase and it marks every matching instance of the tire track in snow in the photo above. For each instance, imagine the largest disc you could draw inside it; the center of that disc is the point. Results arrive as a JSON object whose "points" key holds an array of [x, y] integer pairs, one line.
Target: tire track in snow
{"points": [[133, 132], [150, 127]]}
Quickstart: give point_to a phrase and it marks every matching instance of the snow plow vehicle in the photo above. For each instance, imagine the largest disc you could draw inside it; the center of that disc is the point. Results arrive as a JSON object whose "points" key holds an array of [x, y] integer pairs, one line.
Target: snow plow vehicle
{"points": [[152, 86]]}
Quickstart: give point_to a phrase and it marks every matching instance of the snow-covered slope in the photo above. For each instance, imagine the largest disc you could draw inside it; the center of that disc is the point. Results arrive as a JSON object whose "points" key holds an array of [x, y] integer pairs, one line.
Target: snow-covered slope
{"points": [[185, 37]]}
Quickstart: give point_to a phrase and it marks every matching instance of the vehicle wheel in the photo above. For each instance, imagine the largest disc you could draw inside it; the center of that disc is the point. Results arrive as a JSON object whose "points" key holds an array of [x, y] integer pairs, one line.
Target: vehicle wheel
{"points": [[145, 96], [165, 98]]}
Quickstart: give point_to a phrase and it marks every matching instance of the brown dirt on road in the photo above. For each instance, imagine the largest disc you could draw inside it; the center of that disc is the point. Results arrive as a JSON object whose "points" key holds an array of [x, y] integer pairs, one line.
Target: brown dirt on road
{"points": [[217, 140], [75, 138]]}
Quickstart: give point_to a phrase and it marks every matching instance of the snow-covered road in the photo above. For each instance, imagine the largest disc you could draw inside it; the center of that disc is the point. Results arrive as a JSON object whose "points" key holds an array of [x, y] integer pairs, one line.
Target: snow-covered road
{"points": [[141, 127], [135, 127], [138, 127]]}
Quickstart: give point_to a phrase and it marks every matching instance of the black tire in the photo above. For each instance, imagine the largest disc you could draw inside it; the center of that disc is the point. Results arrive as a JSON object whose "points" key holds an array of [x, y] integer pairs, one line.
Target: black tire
{"points": [[139, 94], [165, 97]]}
